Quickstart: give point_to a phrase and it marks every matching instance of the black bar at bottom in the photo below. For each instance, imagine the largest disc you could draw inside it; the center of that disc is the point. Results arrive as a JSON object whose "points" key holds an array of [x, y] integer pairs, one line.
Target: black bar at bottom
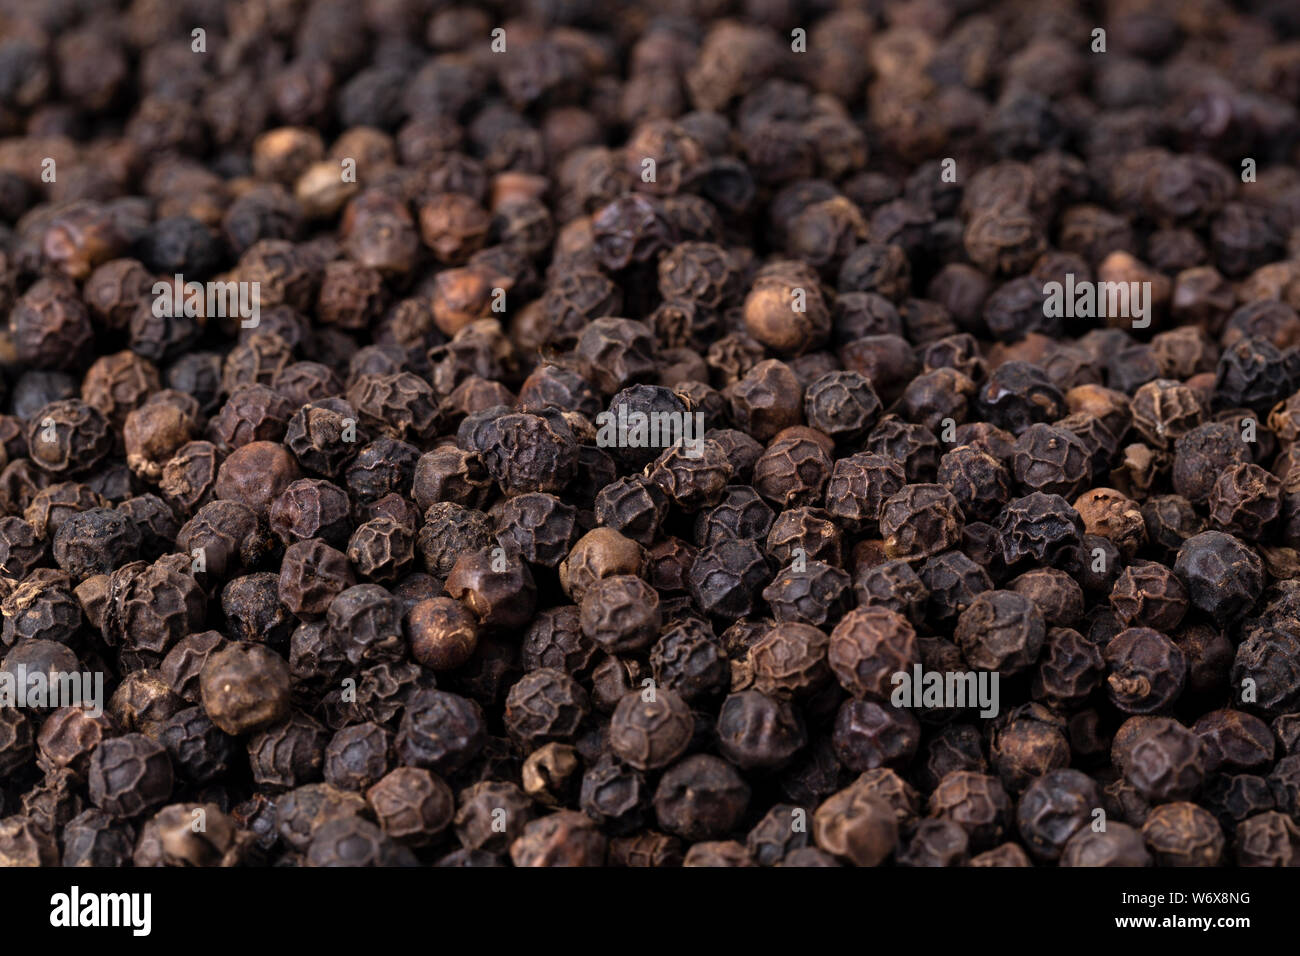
{"points": [[809, 907]]}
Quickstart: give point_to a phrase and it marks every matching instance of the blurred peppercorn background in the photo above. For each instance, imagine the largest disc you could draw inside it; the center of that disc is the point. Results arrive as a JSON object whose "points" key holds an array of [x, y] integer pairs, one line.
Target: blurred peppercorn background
{"points": [[365, 582]]}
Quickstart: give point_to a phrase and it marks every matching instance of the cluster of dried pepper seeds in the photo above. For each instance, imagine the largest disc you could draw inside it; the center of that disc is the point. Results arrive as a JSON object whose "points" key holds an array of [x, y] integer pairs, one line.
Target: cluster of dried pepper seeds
{"points": [[362, 580]]}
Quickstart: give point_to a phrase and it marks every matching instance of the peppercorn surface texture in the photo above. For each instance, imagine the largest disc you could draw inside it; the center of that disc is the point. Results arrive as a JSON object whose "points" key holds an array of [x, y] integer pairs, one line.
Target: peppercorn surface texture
{"points": [[721, 434]]}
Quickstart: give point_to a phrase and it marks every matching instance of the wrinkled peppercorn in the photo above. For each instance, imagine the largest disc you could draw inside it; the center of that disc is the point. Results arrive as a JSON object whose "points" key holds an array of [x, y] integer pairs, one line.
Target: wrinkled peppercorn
{"points": [[355, 497]]}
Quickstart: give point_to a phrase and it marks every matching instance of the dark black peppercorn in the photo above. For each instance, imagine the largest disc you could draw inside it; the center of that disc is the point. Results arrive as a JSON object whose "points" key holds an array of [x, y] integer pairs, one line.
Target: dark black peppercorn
{"points": [[129, 775]]}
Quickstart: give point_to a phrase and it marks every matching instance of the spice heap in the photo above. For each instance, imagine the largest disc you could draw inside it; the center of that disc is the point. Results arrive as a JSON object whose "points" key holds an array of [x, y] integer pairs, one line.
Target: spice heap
{"points": [[642, 434]]}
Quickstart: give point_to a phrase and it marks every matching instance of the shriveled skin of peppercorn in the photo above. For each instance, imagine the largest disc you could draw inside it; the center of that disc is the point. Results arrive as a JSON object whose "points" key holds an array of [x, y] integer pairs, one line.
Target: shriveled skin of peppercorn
{"points": [[244, 688], [388, 489]]}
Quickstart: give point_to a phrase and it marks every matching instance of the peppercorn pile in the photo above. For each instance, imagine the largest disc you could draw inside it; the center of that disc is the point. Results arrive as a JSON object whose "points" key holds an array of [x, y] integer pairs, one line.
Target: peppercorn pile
{"points": [[366, 586]]}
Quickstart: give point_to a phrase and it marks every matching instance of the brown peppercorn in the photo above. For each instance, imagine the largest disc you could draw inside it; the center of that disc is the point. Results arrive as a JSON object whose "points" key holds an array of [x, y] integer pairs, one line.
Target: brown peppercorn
{"points": [[1006, 855], [1164, 761], [620, 613], [352, 841], [96, 541], [726, 578], [245, 687], [1234, 739], [412, 805], [1057, 595], [1267, 839], [790, 660], [540, 527], [129, 775], [382, 549], [713, 853], [447, 473], [1245, 501], [976, 802], [545, 705], [868, 735], [496, 586], [868, 646], [785, 309], [1030, 744], [442, 633], [1003, 240], [311, 508], [1148, 670], [152, 435], [454, 226], [400, 405], [646, 849], [251, 413], [765, 400], [980, 483], [695, 479], [1147, 594], [526, 453], [1163, 411], [364, 623], [793, 471], [1118, 845], [614, 353], [555, 639], [600, 553], [169, 838], [1051, 460], [68, 738], [143, 703], [1039, 528], [41, 606], [1114, 516], [1002, 631], [68, 436], [24, 842], [920, 520], [700, 797], [16, 739], [632, 506], [1183, 834], [306, 808], [805, 532], [282, 154], [1070, 667], [650, 729], [51, 328], [256, 474], [1053, 808], [817, 594], [184, 663], [756, 731], [118, 384], [357, 757], [351, 295], [550, 774], [564, 838], [189, 478], [856, 826], [491, 815], [114, 290], [462, 296], [150, 607], [80, 237]]}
